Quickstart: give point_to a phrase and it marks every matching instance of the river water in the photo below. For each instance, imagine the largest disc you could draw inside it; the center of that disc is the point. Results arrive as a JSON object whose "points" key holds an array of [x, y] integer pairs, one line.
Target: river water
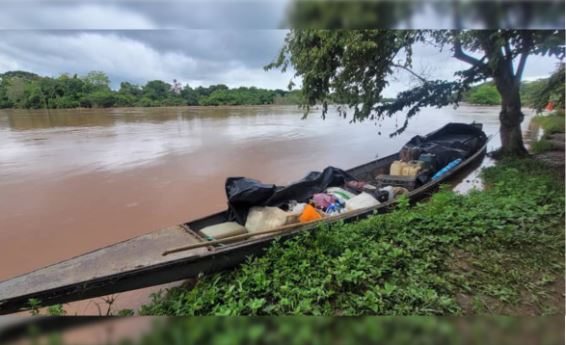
{"points": [[72, 181]]}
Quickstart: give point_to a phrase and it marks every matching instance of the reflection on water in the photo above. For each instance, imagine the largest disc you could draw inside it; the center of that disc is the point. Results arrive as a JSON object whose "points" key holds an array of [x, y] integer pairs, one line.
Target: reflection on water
{"points": [[76, 180]]}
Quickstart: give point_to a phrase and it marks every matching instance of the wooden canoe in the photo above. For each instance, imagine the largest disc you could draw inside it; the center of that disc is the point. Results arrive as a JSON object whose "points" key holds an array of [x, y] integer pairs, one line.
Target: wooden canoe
{"points": [[139, 262]]}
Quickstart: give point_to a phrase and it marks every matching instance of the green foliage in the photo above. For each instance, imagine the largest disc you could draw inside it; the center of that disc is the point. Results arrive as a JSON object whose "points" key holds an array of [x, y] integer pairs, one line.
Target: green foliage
{"points": [[552, 91], [542, 145], [535, 94], [399, 263], [96, 81], [354, 66], [156, 90], [487, 330], [553, 123], [34, 306], [101, 99], [351, 331], [125, 312], [530, 91], [56, 310], [239, 96], [485, 94], [29, 91], [347, 65]]}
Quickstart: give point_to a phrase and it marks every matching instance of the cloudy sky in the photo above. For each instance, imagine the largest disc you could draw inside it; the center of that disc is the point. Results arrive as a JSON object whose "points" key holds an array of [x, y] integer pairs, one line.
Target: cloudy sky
{"points": [[199, 43]]}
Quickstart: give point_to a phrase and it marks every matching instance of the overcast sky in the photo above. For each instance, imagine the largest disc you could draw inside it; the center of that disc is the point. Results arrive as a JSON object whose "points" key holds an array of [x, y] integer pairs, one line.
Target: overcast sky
{"points": [[199, 43]]}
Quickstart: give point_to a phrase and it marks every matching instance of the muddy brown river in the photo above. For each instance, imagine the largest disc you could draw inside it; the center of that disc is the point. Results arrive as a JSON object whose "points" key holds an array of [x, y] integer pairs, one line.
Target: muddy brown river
{"points": [[72, 181]]}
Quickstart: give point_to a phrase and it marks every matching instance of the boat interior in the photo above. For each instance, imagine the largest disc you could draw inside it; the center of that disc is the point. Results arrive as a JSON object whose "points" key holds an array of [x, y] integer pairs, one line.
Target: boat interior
{"points": [[365, 172]]}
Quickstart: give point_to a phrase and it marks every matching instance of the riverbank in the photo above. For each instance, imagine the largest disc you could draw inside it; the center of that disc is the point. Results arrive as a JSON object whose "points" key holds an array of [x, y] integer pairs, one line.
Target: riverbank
{"points": [[549, 148], [494, 251]]}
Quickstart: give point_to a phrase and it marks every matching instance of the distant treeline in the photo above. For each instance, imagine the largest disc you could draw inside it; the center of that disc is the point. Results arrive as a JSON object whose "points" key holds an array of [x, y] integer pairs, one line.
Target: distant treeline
{"points": [[535, 94], [25, 90], [486, 93]]}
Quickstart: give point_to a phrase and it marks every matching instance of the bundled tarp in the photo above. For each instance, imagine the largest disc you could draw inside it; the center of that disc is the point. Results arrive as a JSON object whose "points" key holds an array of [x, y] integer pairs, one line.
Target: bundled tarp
{"points": [[244, 193], [453, 141]]}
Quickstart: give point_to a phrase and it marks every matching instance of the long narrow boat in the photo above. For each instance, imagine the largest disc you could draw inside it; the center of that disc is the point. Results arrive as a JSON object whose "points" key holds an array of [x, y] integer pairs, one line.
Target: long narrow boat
{"points": [[140, 262]]}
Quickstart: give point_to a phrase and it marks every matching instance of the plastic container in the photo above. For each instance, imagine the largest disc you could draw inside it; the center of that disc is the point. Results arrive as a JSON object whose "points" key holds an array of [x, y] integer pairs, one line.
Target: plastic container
{"points": [[446, 169], [412, 168], [362, 200], [396, 168], [428, 160], [267, 218], [399, 168], [223, 230]]}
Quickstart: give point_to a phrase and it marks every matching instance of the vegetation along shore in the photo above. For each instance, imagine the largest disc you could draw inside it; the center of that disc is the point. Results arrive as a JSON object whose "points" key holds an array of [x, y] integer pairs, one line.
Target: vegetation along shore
{"points": [[26, 90], [499, 250]]}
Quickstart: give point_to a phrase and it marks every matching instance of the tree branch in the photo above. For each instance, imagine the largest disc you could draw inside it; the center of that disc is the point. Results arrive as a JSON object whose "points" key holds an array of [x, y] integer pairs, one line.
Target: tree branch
{"points": [[521, 67], [460, 55], [508, 53], [526, 48], [421, 78]]}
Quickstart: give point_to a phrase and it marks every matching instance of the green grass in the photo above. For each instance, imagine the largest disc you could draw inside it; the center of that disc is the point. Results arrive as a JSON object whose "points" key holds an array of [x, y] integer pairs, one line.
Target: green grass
{"points": [[551, 124], [495, 251], [542, 145]]}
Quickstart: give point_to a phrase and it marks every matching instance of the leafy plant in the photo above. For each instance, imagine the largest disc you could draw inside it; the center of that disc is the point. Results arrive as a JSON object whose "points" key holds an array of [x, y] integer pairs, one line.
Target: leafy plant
{"points": [[56, 310], [34, 306], [125, 312]]}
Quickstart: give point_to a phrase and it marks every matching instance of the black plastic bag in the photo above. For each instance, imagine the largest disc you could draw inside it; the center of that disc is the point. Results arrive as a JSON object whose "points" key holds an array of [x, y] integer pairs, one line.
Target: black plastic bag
{"points": [[244, 193], [453, 141]]}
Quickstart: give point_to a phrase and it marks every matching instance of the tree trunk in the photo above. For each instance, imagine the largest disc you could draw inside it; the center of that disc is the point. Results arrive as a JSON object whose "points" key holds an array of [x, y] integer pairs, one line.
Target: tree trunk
{"points": [[510, 118], [501, 69]]}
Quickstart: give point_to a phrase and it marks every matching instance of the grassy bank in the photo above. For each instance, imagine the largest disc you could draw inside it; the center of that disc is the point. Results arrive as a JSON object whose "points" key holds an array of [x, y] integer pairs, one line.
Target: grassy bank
{"points": [[553, 123], [496, 251]]}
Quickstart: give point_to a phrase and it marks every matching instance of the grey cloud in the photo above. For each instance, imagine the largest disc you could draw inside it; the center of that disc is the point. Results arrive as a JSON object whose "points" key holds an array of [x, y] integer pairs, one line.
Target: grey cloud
{"points": [[263, 14], [157, 14], [252, 48], [194, 56]]}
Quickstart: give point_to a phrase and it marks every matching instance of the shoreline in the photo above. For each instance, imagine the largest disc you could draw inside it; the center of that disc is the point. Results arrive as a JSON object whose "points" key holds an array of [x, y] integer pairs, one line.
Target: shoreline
{"points": [[203, 107]]}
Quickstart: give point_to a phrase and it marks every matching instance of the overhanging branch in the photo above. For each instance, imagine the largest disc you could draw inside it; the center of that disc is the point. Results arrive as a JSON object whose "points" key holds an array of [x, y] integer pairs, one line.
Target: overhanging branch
{"points": [[462, 56], [421, 78]]}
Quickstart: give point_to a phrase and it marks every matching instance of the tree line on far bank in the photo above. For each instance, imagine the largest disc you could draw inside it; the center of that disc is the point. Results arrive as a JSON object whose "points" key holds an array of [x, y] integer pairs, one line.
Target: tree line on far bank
{"points": [[535, 94], [25, 90]]}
